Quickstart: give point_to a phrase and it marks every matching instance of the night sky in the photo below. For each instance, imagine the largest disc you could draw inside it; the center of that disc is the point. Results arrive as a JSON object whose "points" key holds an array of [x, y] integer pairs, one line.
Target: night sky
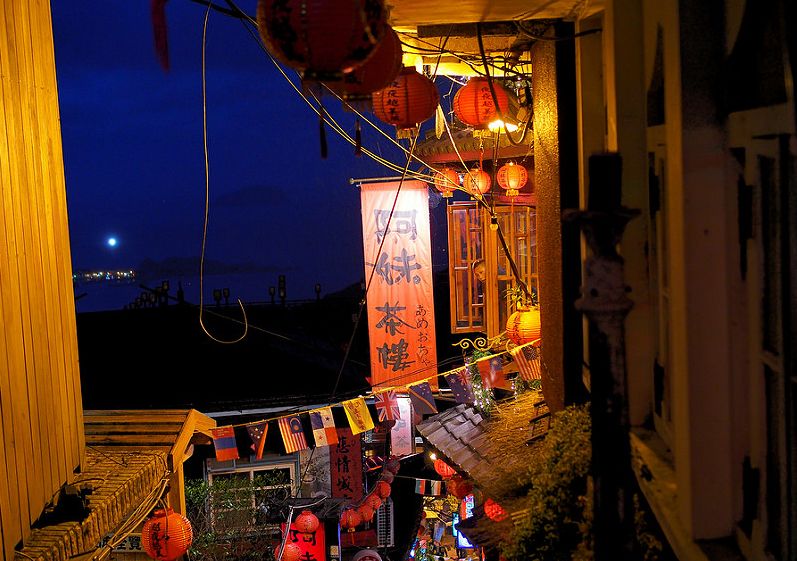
{"points": [[132, 140]]}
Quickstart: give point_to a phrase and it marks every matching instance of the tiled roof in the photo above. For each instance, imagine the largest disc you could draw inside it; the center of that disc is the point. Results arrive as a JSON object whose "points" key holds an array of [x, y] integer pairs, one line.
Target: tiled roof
{"points": [[492, 451]]}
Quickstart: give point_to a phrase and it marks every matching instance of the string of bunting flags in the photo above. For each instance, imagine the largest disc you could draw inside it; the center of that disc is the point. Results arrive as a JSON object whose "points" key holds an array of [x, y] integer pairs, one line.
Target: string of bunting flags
{"points": [[319, 427]]}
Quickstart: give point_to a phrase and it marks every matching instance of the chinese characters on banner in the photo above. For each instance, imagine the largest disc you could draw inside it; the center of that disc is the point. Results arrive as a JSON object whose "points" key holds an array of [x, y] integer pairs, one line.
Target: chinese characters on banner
{"points": [[345, 467], [400, 300], [312, 544]]}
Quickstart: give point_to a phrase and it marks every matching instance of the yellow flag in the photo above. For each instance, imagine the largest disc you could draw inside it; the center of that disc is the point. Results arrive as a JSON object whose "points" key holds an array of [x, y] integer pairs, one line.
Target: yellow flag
{"points": [[359, 418]]}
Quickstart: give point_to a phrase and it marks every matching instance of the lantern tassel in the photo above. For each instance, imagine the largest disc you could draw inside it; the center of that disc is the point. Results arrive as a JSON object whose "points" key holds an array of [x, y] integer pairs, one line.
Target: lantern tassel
{"points": [[322, 132], [358, 138]]}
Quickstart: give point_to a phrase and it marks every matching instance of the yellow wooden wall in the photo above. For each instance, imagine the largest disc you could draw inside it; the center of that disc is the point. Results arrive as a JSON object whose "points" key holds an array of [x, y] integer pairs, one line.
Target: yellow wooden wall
{"points": [[41, 425]]}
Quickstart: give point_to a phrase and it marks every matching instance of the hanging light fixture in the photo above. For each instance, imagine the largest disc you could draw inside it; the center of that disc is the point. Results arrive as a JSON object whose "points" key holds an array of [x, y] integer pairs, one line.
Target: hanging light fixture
{"points": [[382, 489], [407, 102], [373, 501], [166, 535], [320, 39], [459, 487], [443, 469], [477, 181], [446, 180], [376, 73], [366, 512], [494, 511], [524, 325], [291, 552], [473, 103], [512, 178], [306, 522], [350, 519]]}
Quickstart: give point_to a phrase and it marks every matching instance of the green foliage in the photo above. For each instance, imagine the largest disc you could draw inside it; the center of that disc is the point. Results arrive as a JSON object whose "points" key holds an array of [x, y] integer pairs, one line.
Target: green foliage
{"points": [[236, 518], [559, 525], [483, 397]]}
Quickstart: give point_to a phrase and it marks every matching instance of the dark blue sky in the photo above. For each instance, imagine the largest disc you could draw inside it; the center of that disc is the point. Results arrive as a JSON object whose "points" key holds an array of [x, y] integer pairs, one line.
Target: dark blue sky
{"points": [[132, 138]]}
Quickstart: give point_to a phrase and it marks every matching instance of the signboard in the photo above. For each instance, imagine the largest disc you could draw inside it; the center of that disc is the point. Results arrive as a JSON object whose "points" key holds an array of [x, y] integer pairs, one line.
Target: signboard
{"points": [[465, 511], [397, 250], [345, 466], [312, 544], [402, 440]]}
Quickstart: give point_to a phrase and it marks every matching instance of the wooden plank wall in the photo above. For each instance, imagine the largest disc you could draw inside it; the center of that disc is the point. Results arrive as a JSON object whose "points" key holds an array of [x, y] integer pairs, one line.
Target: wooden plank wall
{"points": [[41, 425]]}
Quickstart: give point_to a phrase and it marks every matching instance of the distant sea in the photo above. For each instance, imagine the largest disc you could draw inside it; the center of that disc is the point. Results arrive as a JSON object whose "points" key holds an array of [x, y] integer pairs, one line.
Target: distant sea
{"points": [[249, 287]]}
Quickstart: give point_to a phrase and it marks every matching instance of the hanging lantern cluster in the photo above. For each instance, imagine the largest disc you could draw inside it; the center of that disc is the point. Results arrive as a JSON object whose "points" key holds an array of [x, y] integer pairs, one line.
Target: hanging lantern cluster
{"points": [[512, 178], [524, 325], [354, 515], [446, 180], [443, 469], [494, 511], [477, 182], [305, 523], [474, 105], [166, 535], [321, 40], [407, 102]]}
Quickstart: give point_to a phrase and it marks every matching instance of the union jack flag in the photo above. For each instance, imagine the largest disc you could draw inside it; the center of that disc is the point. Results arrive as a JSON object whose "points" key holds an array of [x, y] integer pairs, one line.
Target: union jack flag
{"points": [[528, 360], [387, 405]]}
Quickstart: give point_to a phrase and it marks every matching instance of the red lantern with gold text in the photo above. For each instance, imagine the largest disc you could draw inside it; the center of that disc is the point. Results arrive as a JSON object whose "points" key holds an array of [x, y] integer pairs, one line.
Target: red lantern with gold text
{"points": [[373, 500], [524, 326], [321, 39], [494, 511], [382, 489], [291, 552], [446, 180], [474, 105], [306, 522], [167, 535], [408, 101], [477, 181], [512, 178], [350, 519], [443, 469], [459, 487], [366, 512], [374, 74]]}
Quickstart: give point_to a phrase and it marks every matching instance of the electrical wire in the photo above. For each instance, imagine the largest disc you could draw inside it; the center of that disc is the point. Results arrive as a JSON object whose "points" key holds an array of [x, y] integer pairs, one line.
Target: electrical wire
{"points": [[207, 199]]}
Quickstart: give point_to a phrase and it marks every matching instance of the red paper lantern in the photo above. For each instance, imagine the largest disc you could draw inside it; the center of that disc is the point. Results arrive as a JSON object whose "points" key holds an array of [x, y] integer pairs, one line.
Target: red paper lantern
{"points": [[512, 178], [350, 519], [374, 74], [167, 535], [306, 522], [477, 181], [524, 326], [373, 501], [408, 101], [382, 489], [446, 180], [321, 39], [443, 469], [291, 552], [459, 487], [366, 512], [474, 105], [494, 511]]}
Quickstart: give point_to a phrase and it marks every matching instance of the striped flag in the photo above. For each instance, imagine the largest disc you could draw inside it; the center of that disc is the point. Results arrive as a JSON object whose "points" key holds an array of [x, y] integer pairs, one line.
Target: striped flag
{"points": [[257, 432], [528, 360], [323, 424], [292, 434], [359, 418], [420, 486], [436, 488], [387, 406], [224, 443]]}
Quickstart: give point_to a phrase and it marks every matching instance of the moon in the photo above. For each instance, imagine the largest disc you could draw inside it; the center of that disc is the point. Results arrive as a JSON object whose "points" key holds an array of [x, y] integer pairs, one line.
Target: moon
{"points": [[111, 242]]}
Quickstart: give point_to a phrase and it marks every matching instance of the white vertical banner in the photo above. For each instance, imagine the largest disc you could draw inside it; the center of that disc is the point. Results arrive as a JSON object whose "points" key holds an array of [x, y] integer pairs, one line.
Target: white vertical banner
{"points": [[402, 441]]}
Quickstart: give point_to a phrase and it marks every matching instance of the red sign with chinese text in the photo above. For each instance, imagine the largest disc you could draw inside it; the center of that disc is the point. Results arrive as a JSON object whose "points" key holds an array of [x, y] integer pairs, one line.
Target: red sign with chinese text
{"points": [[312, 544], [397, 248], [346, 471]]}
